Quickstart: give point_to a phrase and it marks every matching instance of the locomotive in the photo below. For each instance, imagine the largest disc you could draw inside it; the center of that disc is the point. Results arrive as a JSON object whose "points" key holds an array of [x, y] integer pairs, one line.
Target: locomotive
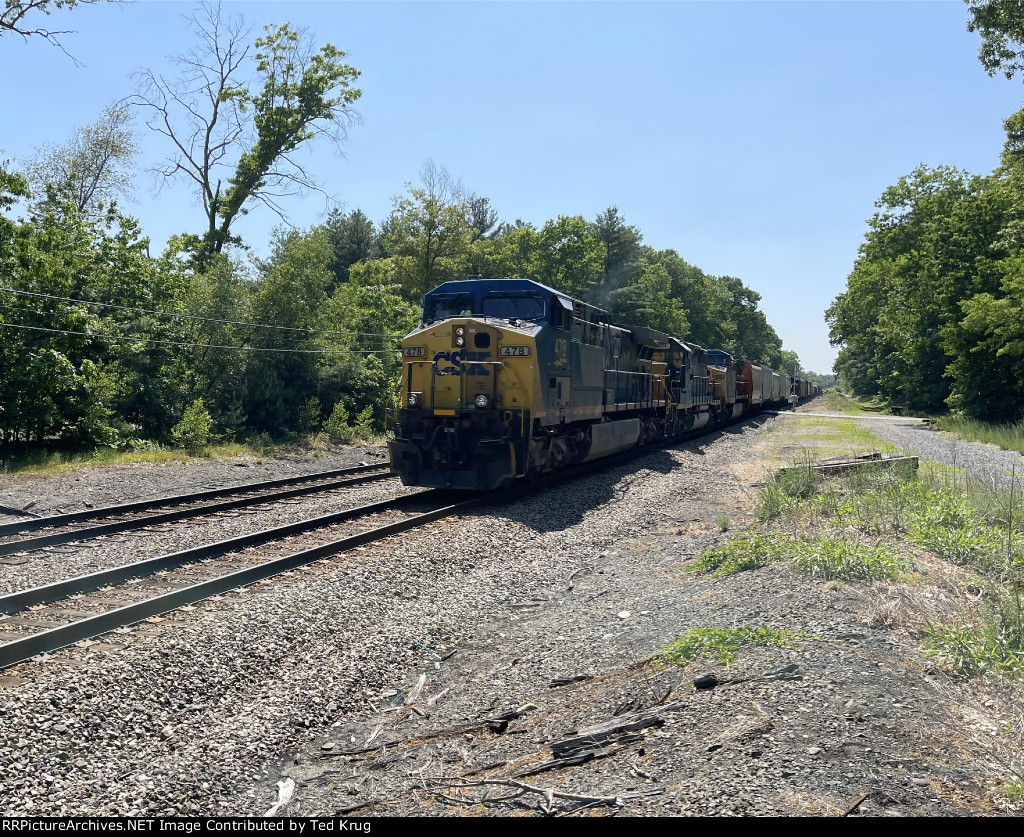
{"points": [[508, 378]]}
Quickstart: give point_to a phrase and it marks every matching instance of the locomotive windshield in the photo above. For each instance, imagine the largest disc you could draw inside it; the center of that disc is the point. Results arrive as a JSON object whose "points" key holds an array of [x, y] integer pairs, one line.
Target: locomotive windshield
{"points": [[513, 307], [444, 307]]}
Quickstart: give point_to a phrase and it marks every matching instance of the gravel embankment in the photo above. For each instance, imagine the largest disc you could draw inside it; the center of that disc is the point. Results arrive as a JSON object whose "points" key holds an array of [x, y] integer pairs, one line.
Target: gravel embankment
{"points": [[105, 486], [986, 463], [206, 711]]}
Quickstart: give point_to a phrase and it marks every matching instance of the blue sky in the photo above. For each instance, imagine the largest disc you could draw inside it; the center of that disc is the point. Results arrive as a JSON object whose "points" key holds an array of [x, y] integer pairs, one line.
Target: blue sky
{"points": [[751, 137]]}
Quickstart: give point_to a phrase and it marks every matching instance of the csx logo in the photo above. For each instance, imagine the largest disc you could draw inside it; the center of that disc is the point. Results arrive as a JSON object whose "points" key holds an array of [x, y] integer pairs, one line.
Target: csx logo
{"points": [[451, 363]]}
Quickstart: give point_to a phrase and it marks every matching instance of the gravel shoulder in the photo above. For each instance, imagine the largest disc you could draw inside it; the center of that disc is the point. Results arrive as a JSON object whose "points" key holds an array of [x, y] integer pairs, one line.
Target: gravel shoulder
{"points": [[986, 463], [424, 643], [92, 487]]}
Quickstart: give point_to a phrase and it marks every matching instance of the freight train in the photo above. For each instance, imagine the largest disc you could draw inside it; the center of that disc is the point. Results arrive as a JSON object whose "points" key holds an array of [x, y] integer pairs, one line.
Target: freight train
{"points": [[508, 378]]}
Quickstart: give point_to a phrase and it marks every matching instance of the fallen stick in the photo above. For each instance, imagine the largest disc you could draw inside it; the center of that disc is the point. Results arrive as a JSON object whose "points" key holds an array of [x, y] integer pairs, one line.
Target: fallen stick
{"points": [[548, 793]]}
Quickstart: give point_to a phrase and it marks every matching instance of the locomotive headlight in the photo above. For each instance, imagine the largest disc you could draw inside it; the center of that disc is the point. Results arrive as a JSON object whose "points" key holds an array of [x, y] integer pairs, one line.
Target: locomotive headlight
{"points": [[414, 399], [480, 401], [460, 341], [459, 338]]}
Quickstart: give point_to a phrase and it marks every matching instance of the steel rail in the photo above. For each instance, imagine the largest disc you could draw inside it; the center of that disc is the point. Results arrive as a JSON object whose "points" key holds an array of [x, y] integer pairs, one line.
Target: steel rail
{"points": [[90, 532], [22, 649], [23, 599], [63, 635], [141, 505]]}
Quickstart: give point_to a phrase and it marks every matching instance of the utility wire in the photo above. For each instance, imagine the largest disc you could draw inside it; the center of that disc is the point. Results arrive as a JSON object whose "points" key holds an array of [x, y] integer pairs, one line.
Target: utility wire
{"points": [[193, 317], [19, 308], [202, 345]]}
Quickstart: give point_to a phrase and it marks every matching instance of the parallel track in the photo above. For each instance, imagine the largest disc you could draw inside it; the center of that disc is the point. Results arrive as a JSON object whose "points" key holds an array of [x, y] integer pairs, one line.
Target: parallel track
{"points": [[66, 526], [73, 593], [28, 608]]}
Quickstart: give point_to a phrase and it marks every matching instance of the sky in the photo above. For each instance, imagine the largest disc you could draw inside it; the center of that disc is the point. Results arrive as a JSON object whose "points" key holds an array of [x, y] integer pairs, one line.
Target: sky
{"points": [[751, 137]]}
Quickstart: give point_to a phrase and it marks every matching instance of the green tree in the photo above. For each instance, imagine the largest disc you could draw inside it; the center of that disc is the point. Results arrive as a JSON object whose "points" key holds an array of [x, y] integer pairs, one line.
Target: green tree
{"points": [[292, 293], [568, 257], [622, 251], [353, 238], [428, 234], [221, 125], [1001, 26], [90, 171], [649, 302]]}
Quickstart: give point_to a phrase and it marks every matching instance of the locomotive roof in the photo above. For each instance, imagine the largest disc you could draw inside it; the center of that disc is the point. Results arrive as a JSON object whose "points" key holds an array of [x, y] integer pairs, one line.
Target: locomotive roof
{"points": [[479, 288]]}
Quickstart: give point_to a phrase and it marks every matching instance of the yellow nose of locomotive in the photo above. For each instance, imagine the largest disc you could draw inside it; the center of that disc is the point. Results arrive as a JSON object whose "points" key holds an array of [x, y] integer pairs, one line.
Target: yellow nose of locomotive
{"points": [[451, 367]]}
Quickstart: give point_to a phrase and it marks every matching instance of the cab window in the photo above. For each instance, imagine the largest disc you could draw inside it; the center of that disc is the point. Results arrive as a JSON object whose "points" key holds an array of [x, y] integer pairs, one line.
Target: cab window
{"points": [[445, 307], [506, 307]]}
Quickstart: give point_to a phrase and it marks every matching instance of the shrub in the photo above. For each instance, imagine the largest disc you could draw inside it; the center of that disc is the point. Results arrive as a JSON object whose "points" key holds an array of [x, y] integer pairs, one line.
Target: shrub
{"points": [[195, 430], [337, 426], [311, 414]]}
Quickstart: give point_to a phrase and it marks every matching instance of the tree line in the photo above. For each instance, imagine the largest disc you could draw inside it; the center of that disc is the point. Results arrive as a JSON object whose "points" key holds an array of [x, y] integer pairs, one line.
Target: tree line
{"points": [[105, 343], [933, 312]]}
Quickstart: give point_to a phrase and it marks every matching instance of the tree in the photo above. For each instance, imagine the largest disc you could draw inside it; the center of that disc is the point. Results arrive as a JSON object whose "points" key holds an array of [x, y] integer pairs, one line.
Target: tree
{"points": [[568, 257], [621, 250], [221, 128], [1001, 26], [19, 18], [428, 233], [90, 171], [353, 238]]}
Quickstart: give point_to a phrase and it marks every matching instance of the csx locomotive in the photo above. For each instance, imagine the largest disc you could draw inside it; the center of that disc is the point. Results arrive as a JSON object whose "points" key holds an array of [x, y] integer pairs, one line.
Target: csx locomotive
{"points": [[507, 378]]}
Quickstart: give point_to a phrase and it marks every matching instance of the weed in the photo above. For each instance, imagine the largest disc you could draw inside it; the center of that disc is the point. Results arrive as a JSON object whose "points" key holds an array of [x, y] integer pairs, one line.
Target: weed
{"points": [[838, 558], [723, 643], [722, 522], [741, 554], [976, 649]]}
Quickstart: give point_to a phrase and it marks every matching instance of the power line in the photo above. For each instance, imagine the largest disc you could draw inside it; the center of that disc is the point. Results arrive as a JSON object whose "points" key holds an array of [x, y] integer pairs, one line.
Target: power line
{"points": [[194, 317], [202, 345], [20, 308]]}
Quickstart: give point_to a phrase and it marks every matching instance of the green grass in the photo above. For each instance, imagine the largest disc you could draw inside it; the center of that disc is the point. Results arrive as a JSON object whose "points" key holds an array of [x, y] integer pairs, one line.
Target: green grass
{"points": [[742, 554], [823, 556], [49, 463], [831, 557], [992, 645], [723, 643], [1006, 436], [837, 402]]}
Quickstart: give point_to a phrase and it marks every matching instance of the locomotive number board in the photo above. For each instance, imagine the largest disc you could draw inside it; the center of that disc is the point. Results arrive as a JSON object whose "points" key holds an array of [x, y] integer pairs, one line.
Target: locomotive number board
{"points": [[514, 351], [414, 351]]}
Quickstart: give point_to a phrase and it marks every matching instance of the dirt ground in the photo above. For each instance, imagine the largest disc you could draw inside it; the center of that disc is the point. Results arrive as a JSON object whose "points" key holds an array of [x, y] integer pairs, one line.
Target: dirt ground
{"points": [[563, 707]]}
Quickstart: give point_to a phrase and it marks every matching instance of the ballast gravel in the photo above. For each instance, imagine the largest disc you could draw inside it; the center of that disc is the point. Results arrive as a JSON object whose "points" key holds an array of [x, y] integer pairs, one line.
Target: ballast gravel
{"points": [[986, 463], [417, 642]]}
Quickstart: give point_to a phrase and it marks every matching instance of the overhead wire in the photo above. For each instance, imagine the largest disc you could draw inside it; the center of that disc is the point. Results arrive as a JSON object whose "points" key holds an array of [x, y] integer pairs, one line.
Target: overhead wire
{"points": [[19, 308], [194, 316], [201, 345]]}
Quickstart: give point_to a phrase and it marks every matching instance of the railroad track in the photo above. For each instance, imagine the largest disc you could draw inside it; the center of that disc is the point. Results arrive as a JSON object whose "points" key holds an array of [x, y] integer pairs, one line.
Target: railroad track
{"points": [[55, 615], [78, 526], [63, 613]]}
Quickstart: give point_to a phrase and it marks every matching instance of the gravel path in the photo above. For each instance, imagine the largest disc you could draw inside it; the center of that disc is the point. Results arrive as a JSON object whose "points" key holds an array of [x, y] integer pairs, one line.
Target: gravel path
{"points": [[205, 711], [986, 463]]}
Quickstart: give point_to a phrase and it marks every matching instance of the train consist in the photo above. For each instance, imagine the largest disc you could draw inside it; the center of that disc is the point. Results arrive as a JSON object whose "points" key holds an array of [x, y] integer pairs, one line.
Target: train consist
{"points": [[507, 378]]}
